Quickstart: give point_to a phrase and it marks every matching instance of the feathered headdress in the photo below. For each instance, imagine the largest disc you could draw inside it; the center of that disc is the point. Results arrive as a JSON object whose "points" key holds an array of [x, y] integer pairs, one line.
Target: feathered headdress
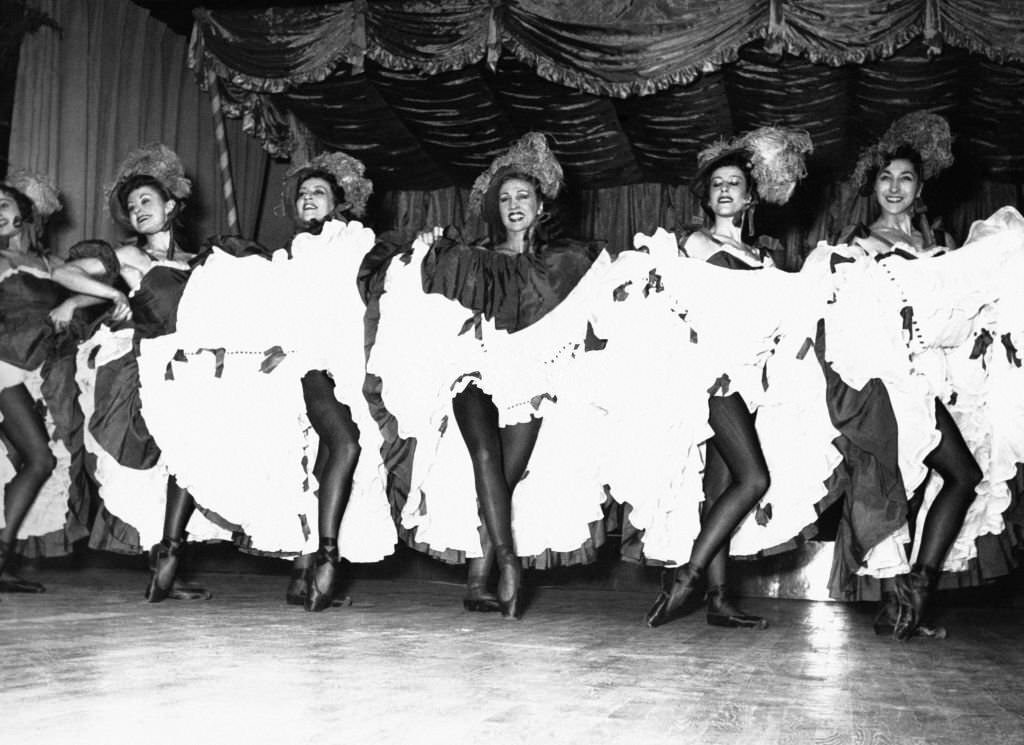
{"points": [[344, 169], [924, 132], [158, 162], [773, 155], [39, 190], [531, 156]]}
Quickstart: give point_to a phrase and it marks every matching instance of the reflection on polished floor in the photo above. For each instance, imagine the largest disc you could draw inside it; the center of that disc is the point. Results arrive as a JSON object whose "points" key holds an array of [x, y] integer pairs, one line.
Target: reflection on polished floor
{"points": [[89, 662]]}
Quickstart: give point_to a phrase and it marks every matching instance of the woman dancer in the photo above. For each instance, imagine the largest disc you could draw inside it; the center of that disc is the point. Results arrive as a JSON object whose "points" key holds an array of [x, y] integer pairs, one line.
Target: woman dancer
{"points": [[288, 355], [34, 312], [727, 190], [330, 187], [147, 197], [511, 283], [893, 171], [718, 348]]}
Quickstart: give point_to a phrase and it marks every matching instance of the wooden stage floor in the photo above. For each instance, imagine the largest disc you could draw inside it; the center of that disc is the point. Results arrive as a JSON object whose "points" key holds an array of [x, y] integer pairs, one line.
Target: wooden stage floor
{"points": [[90, 662]]}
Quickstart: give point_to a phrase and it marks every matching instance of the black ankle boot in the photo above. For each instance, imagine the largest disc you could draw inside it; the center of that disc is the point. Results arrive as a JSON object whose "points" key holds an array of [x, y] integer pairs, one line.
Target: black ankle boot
{"points": [[163, 565], [721, 612], [678, 588], [509, 581], [295, 594], [477, 598], [912, 592], [324, 577], [10, 582], [889, 611]]}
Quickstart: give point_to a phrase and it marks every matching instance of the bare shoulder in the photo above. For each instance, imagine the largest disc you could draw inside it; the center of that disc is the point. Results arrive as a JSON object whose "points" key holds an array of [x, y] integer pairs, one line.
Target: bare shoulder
{"points": [[699, 245], [133, 256]]}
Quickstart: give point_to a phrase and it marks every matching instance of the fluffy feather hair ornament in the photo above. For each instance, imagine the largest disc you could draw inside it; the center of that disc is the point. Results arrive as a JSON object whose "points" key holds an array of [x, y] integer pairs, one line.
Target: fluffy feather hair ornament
{"points": [[924, 132], [774, 156], [158, 162], [530, 155], [39, 190], [344, 169]]}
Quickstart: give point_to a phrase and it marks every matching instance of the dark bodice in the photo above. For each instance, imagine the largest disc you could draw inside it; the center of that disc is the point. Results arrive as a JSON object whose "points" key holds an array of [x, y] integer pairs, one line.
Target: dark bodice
{"points": [[514, 290], [155, 304], [26, 334]]}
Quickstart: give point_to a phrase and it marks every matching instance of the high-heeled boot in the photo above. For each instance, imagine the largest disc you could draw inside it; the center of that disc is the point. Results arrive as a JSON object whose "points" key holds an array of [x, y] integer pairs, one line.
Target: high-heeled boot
{"points": [[889, 611], [678, 588], [163, 566], [912, 592], [509, 581], [477, 598], [295, 594], [324, 577], [721, 612], [10, 582]]}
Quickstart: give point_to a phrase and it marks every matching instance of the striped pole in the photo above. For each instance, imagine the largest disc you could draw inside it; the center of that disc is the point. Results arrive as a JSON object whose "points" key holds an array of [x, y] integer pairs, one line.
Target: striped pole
{"points": [[224, 161]]}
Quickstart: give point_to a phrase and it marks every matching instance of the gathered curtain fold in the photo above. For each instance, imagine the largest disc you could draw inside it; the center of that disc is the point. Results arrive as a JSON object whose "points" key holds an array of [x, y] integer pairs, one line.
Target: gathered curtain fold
{"points": [[613, 48]]}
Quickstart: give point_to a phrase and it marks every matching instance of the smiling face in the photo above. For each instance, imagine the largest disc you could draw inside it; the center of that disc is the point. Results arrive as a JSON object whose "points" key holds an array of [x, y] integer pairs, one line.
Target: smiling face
{"points": [[315, 199], [10, 216], [728, 191], [897, 185], [148, 211], [519, 206]]}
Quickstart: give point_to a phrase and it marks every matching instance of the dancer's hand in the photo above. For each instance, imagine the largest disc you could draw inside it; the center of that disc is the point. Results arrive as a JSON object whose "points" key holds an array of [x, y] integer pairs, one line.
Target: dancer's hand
{"points": [[427, 237], [122, 311]]}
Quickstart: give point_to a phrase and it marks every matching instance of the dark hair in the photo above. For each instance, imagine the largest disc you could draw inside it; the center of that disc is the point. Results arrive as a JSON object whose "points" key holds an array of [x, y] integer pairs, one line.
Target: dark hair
{"points": [[139, 180], [23, 203], [702, 183], [492, 215], [903, 152]]}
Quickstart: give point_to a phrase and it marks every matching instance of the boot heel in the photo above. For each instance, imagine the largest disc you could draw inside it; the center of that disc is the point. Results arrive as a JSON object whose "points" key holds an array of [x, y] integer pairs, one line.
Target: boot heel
{"points": [[509, 582], [678, 587], [163, 565]]}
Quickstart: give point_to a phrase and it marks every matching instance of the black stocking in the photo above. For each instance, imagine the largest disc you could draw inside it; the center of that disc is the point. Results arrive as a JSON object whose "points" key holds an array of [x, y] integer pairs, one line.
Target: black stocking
{"points": [[716, 480], [24, 430], [478, 422], [338, 453], [953, 461], [735, 440], [499, 456]]}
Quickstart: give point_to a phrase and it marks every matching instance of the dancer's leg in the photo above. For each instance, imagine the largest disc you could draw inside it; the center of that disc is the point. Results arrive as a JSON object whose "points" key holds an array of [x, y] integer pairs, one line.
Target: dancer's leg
{"points": [[953, 461], [25, 432], [337, 458], [477, 418]]}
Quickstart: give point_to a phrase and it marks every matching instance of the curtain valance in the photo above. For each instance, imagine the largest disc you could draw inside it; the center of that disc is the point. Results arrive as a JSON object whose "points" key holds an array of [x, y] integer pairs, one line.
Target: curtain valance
{"points": [[606, 47]]}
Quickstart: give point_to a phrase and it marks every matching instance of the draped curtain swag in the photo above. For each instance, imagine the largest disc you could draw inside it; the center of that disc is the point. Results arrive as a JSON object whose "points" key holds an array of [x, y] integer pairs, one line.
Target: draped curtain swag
{"points": [[623, 48]]}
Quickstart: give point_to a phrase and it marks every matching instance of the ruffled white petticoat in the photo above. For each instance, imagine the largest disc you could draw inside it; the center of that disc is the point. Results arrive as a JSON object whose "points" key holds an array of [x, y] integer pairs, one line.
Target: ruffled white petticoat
{"points": [[954, 298], [427, 350], [232, 424], [677, 331], [136, 496]]}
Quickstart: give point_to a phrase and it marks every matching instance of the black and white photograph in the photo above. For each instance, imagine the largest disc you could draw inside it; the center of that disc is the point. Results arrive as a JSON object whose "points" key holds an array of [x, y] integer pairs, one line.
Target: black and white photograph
{"points": [[512, 372]]}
